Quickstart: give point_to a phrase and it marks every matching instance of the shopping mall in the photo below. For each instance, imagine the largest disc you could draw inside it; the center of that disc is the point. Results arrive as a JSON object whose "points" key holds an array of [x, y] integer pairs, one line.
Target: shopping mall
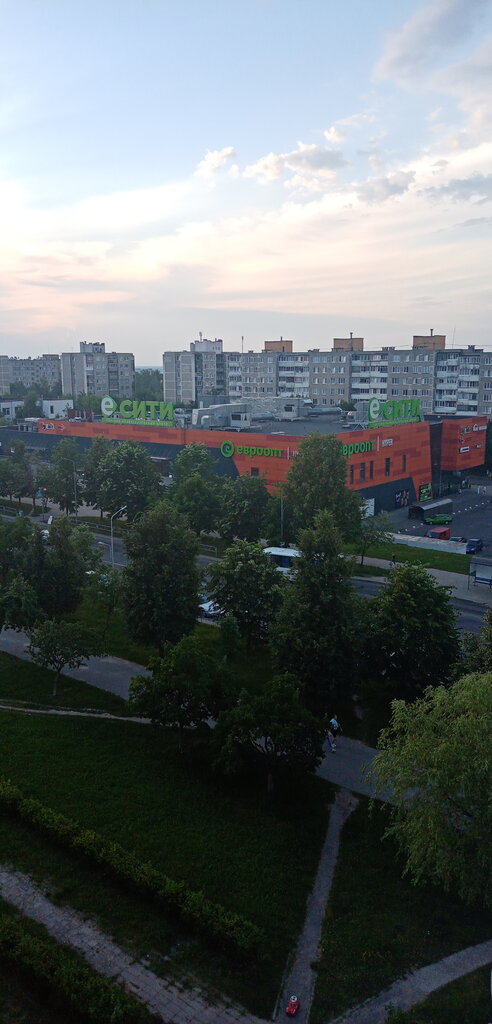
{"points": [[395, 458]]}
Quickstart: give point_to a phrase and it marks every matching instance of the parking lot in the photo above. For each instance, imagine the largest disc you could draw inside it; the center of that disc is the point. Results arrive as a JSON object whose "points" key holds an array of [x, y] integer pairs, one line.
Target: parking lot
{"points": [[472, 516]]}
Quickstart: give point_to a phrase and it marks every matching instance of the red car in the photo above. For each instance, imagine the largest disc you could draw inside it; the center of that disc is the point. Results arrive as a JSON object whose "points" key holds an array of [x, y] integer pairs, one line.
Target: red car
{"points": [[293, 1006]]}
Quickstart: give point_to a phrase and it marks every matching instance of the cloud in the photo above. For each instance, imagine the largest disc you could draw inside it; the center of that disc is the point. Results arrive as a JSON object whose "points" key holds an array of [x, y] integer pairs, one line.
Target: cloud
{"points": [[413, 49], [470, 82], [213, 161], [311, 163], [475, 222], [477, 188], [377, 190]]}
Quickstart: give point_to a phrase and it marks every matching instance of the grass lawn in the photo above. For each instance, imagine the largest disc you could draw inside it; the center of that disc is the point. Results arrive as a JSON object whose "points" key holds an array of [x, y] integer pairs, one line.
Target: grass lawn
{"points": [[129, 783], [378, 926], [23, 681], [370, 570], [21, 1002], [419, 556], [466, 1001]]}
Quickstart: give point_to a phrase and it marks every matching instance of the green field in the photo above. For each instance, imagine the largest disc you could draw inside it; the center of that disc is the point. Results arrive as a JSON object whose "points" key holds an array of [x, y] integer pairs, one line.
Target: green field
{"points": [[128, 782], [378, 926], [418, 556], [27, 683], [466, 1001]]}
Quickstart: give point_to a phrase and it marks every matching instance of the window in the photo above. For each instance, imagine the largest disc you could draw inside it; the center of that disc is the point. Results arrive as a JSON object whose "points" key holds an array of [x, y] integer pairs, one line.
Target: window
{"points": [[255, 471], [362, 472], [371, 470], [387, 467], [351, 474], [404, 462]]}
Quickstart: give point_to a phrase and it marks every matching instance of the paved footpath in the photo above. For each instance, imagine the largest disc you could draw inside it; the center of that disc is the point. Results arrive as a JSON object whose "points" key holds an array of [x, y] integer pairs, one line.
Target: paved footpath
{"points": [[417, 986], [172, 1004], [109, 673], [301, 978]]}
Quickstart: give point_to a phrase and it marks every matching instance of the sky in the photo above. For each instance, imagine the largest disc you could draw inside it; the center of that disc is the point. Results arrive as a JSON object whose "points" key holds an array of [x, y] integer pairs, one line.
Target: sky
{"points": [[248, 169]]}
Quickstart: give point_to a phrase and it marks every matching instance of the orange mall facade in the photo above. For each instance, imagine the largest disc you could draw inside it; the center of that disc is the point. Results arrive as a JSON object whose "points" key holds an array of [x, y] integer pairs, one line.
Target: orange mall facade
{"points": [[393, 464]]}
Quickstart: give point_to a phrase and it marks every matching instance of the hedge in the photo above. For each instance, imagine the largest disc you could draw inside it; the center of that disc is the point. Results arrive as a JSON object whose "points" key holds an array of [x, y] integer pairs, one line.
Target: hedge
{"points": [[213, 920], [77, 986]]}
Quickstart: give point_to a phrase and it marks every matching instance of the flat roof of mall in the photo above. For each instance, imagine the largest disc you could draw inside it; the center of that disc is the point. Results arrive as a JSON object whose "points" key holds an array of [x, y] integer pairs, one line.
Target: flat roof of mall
{"points": [[300, 428]]}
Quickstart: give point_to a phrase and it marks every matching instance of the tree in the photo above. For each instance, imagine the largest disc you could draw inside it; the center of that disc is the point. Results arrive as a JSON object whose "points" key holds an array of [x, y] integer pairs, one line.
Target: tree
{"points": [[56, 645], [129, 478], [411, 640], [31, 406], [246, 584], [61, 479], [148, 385], [315, 631], [161, 579], [193, 459], [23, 478], [244, 505], [274, 727], [69, 554], [7, 478], [197, 498], [436, 757], [373, 530], [19, 608], [316, 482], [186, 689], [93, 472]]}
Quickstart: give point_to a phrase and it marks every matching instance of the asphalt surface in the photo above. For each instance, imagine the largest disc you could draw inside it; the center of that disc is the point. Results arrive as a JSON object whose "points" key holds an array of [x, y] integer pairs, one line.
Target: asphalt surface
{"points": [[472, 515]]}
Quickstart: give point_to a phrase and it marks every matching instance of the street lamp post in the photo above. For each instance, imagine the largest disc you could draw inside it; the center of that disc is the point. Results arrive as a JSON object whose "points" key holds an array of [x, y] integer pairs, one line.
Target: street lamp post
{"points": [[118, 513], [74, 487]]}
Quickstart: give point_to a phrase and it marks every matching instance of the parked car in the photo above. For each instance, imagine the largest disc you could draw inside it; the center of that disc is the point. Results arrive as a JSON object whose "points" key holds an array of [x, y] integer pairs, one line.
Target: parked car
{"points": [[208, 609], [474, 545], [458, 540]]}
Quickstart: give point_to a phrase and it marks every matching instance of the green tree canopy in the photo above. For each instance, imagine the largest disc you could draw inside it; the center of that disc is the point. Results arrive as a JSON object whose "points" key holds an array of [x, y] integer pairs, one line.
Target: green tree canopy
{"points": [[148, 385], [56, 645], [197, 497], [19, 608], [193, 459], [69, 554], [62, 478], [411, 640], [93, 473], [128, 478], [436, 757], [247, 585], [315, 631], [274, 727], [186, 689], [244, 508], [316, 482], [161, 578]]}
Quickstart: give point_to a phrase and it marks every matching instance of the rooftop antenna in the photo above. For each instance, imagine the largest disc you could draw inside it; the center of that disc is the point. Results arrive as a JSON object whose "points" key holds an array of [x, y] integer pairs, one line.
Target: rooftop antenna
{"points": [[200, 335], [242, 343], [454, 331]]}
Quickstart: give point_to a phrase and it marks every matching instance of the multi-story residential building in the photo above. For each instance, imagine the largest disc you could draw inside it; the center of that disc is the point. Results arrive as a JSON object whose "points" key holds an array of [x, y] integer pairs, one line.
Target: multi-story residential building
{"points": [[453, 381], [93, 371], [43, 370]]}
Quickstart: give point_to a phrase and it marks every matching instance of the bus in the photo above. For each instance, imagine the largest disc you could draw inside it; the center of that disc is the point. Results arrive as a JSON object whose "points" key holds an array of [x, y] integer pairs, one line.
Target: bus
{"points": [[283, 558]]}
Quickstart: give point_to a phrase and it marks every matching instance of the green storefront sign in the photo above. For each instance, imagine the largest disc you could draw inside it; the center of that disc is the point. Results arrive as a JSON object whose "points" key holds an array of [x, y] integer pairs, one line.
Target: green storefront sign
{"points": [[152, 414], [393, 412], [228, 448], [358, 448]]}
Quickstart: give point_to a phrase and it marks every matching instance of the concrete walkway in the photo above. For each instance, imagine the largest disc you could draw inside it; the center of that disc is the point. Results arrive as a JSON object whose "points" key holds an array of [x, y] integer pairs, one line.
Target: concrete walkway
{"points": [[112, 674], [301, 978], [458, 582], [417, 986], [166, 999]]}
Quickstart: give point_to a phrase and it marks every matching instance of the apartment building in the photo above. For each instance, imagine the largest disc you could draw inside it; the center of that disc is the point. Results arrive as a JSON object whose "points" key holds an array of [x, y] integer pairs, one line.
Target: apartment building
{"points": [[43, 370], [447, 381], [93, 371]]}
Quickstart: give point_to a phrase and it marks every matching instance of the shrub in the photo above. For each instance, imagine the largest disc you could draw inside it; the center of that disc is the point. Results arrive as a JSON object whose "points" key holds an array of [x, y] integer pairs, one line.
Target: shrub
{"points": [[93, 998], [214, 921]]}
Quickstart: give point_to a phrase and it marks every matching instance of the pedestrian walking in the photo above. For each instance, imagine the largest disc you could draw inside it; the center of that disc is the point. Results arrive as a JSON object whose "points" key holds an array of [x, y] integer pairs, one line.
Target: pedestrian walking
{"points": [[331, 741], [335, 728], [393, 562]]}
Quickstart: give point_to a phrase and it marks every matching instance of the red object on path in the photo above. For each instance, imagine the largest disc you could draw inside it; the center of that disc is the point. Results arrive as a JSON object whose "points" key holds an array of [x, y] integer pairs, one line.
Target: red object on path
{"points": [[293, 1006]]}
